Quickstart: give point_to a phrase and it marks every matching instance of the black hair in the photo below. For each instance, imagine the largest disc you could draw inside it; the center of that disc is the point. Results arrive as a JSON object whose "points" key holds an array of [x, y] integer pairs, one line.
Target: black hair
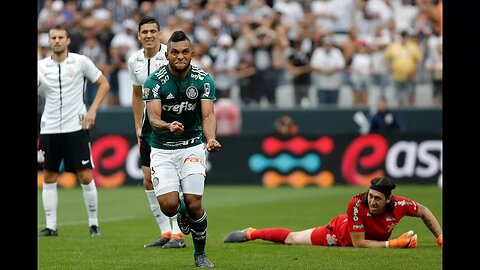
{"points": [[146, 20], [384, 185], [177, 36]]}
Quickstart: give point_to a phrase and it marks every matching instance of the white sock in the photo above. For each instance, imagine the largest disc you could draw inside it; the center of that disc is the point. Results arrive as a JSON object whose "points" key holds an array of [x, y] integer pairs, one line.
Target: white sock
{"points": [[175, 228], [50, 202], [162, 220], [90, 198]]}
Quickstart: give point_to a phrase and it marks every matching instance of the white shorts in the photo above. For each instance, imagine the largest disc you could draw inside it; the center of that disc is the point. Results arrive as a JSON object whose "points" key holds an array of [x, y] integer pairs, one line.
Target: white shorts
{"points": [[170, 167]]}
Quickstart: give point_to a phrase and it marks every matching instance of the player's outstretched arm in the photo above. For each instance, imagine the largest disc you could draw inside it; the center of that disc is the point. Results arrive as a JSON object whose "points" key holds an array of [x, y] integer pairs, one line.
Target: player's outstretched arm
{"points": [[431, 222], [406, 240]]}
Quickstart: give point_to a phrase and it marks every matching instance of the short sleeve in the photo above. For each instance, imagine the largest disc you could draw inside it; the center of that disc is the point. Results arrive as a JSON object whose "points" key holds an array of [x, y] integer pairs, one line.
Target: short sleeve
{"points": [[208, 89], [131, 70], [355, 222], [150, 89], [89, 69], [405, 206]]}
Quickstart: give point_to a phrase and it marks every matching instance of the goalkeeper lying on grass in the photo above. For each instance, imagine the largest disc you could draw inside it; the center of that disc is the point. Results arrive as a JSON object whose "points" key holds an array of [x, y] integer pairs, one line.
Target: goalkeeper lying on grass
{"points": [[370, 219]]}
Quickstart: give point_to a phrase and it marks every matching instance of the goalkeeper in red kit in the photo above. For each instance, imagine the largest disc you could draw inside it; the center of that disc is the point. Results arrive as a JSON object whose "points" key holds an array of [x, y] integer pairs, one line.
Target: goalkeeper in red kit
{"points": [[370, 219]]}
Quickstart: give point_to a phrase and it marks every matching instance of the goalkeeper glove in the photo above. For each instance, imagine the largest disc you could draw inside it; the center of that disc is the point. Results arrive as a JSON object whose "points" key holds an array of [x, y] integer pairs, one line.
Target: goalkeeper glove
{"points": [[440, 240], [406, 240]]}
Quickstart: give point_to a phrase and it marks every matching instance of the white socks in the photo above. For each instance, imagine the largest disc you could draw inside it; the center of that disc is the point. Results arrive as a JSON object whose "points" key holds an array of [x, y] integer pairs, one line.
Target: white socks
{"points": [[90, 198], [175, 228], [162, 220], [50, 202]]}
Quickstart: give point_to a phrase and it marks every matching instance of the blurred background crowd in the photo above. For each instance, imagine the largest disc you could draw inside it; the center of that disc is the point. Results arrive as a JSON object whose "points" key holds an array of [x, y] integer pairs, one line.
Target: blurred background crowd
{"points": [[271, 54]]}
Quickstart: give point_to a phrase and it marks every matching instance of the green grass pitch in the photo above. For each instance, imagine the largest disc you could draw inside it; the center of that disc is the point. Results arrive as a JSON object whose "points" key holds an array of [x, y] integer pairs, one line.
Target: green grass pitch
{"points": [[127, 223]]}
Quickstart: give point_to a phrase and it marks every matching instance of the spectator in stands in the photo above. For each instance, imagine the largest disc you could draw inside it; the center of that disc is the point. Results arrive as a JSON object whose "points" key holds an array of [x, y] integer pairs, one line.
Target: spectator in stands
{"points": [[423, 26], [361, 70], [432, 11], [291, 13], [261, 40], [123, 45], [258, 12], [370, 13], [434, 65], [345, 16], [298, 64], [326, 14], [245, 78], [51, 14], [173, 23], [377, 43], [327, 64], [404, 14], [121, 10], [44, 18], [96, 51], [101, 20], [162, 10], [348, 48], [201, 58], [433, 39], [403, 59], [225, 65]]}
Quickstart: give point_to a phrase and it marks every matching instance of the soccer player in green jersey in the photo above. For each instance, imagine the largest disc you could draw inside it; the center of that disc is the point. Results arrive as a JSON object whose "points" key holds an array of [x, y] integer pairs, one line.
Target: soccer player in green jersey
{"points": [[179, 100], [140, 65]]}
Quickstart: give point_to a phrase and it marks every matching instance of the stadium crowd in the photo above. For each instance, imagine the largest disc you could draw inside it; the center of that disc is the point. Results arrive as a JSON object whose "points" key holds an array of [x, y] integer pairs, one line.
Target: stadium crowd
{"points": [[253, 48]]}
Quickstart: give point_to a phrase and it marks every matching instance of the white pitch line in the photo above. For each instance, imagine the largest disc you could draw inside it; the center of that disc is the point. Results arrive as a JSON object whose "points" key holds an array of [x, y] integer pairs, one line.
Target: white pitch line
{"points": [[70, 223]]}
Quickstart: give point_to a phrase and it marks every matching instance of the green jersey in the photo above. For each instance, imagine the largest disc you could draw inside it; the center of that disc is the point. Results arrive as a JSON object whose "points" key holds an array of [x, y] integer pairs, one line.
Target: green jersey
{"points": [[180, 99]]}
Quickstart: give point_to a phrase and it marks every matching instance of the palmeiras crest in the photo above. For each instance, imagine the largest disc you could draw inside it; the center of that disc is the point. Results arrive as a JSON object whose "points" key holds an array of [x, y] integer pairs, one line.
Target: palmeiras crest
{"points": [[192, 92]]}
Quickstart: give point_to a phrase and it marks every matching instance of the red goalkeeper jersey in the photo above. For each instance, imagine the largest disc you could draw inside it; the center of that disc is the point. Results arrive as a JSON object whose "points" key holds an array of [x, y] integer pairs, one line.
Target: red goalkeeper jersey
{"points": [[376, 227]]}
